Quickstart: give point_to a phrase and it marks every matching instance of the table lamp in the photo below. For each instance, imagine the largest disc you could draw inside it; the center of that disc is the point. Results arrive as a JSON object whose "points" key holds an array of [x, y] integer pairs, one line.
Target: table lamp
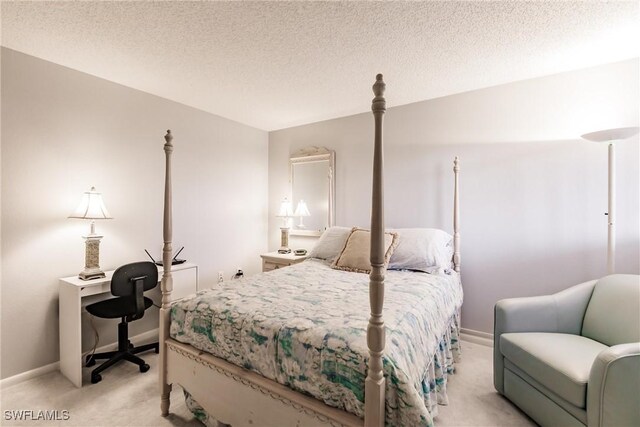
{"points": [[91, 207], [610, 136], [285, 213], [301, 211]]}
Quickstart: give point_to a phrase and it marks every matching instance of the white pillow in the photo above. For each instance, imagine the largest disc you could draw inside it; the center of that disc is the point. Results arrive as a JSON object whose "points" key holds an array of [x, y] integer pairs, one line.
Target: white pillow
{"points": [[330, 243], [422, 249]]}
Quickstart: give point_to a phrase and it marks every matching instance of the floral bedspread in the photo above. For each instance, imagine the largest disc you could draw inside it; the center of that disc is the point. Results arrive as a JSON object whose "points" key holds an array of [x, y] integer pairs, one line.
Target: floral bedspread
{"points": [[304, 326]]}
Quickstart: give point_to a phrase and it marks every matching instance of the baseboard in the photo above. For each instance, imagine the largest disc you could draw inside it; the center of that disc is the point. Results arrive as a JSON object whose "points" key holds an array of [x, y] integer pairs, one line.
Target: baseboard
{"points": [[477, 337], [24, 376], [33, 373]]}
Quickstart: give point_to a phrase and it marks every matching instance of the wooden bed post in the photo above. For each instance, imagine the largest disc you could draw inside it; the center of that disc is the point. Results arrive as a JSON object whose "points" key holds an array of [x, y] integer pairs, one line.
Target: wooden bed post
{"points": [[374, 384], [456, 217], [166, 285]]}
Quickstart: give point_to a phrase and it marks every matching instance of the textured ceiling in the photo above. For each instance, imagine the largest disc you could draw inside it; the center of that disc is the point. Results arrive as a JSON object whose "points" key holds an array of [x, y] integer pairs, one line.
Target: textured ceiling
{"points": [[279, 64]]}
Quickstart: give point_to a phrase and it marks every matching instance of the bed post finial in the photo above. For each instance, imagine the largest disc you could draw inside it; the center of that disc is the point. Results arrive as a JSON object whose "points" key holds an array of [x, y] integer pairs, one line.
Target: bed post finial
{"points": [[456, 216], [374, 401], [168, 137], [379, 105]]}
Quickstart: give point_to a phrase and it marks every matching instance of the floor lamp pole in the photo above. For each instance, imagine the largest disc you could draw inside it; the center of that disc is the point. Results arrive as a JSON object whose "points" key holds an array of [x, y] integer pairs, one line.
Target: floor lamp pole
{"points": [[611, 208], [610, 136]]}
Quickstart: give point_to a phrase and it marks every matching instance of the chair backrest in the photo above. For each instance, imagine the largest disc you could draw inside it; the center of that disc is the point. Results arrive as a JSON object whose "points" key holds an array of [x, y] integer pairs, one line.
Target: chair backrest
{"points": [[124, 278], [613, 313]]}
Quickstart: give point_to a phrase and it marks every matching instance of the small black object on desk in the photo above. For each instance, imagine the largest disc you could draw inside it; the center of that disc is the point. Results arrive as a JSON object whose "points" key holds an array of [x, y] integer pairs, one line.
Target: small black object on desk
{"points": [[174, 260]]}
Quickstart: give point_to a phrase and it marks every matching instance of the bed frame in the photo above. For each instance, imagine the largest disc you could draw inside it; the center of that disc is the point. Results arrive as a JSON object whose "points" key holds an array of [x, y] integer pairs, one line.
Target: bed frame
{"points": [[238, 397]]}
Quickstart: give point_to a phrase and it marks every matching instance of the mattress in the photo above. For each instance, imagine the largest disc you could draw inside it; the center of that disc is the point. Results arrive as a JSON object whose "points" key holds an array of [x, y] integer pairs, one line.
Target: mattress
{"points": [[304, 326]]}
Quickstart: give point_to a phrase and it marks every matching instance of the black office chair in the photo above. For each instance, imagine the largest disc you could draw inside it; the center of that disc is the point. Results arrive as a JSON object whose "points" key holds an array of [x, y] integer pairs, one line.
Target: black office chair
{"points": [[128, 285]]}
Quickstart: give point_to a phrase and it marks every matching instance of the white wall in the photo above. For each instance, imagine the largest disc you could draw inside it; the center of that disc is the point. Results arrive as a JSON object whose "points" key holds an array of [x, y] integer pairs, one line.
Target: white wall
{"points": [[533, 193], [64, 131]]}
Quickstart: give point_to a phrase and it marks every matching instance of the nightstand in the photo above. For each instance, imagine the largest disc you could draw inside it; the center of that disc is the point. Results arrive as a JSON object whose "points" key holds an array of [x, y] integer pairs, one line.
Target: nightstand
{"points": [[274, 260]]}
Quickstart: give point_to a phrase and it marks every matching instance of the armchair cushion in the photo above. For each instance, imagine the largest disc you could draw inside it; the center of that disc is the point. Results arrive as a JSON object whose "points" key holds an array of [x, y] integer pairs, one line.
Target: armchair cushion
{"points": [[562, 312], [560, 362]]}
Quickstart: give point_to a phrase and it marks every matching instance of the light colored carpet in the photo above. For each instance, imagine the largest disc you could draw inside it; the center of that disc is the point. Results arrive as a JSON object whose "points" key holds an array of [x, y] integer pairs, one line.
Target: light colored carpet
{"points": [[126, 397], [472, 399]]}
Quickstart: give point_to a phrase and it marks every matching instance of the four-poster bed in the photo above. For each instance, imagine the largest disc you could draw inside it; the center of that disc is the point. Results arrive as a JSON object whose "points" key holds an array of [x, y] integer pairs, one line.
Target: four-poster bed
{"points": [[238, 395]]}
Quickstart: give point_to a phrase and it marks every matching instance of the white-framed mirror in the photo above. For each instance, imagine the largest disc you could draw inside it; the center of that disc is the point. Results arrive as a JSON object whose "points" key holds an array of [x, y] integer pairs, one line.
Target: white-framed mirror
{"points": [[312, 178]]}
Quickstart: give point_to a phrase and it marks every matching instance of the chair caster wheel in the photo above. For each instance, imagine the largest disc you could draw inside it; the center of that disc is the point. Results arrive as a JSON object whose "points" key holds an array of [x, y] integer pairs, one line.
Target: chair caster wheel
{"points": [[130, 346], [90, 362], [96, 378], [144, 368]]}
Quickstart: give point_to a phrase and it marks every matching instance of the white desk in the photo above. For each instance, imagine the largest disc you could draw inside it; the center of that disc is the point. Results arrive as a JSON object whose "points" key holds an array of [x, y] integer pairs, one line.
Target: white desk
{"points": [[73, 290]]}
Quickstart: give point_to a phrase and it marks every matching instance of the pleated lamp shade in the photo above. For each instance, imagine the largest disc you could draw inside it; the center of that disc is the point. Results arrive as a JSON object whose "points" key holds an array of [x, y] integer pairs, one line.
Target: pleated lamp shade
{"points": [[91, 207]]}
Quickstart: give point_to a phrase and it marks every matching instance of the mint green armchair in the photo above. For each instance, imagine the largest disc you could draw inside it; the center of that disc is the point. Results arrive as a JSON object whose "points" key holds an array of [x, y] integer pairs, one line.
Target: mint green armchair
{"points": [[572, 358]]}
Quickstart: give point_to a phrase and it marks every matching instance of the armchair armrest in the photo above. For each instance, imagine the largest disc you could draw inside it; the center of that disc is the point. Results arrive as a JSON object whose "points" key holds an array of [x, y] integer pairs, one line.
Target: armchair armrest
{"points": [[562, 312], [613, 393]]}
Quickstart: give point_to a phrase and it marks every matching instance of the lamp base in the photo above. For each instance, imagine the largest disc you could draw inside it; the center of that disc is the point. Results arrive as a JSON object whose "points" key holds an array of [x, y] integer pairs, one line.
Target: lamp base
{"points": [[92, 258], [284, 241], [91, 274]]}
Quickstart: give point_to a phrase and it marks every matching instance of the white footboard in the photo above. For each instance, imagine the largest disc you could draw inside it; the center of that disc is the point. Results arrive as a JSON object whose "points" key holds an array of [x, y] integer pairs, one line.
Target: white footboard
{"points": [[239, 397]]}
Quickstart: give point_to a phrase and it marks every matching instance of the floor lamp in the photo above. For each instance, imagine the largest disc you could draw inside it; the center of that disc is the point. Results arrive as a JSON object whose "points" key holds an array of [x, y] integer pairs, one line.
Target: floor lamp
{"points": [[610, 136]]}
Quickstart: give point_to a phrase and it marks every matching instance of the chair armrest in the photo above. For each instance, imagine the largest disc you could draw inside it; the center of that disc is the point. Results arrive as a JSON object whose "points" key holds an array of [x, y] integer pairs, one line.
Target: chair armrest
{"points": [[613, 393], [562, 312]]}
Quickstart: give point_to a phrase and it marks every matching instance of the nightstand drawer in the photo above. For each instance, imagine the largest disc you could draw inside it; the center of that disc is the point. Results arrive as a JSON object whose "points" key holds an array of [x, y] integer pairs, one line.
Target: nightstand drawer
{"points": [[274, 260], [268, 266]]}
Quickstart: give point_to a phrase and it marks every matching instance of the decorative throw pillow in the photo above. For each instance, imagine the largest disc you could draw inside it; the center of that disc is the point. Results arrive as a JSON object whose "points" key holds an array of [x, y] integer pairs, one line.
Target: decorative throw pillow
{"points": [[330, 244], [355, 255], [422, 249]]}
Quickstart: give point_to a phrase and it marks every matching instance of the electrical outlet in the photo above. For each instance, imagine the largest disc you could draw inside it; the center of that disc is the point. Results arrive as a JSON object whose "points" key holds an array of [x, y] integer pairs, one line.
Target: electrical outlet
{"points": [[220, 276]]}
